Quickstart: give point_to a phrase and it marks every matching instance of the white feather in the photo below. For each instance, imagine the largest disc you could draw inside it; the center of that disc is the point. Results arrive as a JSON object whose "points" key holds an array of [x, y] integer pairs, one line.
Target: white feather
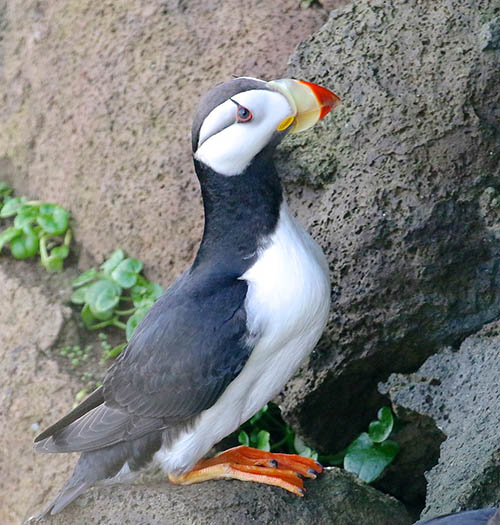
{"points": [[287, 303], [228, 146]]}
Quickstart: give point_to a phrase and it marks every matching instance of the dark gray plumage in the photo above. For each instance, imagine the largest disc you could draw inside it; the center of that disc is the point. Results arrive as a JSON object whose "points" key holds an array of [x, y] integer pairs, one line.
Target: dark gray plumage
{"points": [[469, 517], [183, 371]]}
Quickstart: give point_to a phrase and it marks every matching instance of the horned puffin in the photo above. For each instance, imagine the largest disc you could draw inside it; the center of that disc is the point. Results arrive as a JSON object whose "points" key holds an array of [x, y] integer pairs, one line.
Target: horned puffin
{"points": [[229, 333]]}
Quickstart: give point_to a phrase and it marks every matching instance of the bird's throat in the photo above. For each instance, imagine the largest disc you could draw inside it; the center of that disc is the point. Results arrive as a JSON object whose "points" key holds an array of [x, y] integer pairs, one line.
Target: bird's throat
{"points": [[240, 212]]}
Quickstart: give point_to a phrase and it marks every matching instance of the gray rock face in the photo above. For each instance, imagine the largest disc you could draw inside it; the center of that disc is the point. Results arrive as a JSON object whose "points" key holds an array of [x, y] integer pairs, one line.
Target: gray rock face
{"points": [[334, 499], [405, 198], [460, 391]]}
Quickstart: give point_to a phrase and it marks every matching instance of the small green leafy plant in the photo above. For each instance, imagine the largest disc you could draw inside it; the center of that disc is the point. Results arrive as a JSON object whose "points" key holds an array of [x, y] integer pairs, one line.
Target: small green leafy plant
{"points": [[102, 292], [76, 354], [39, 228], [267, 423], [367, 456], [371, 452]]}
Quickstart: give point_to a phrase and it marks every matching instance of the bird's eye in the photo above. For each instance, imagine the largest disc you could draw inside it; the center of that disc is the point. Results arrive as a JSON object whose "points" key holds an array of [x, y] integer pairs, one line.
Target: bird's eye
{"points": [[243, 114]]}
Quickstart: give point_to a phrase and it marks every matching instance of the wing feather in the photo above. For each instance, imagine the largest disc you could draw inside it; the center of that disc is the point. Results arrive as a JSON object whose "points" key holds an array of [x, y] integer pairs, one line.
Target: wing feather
{"points": [[183, 355]]}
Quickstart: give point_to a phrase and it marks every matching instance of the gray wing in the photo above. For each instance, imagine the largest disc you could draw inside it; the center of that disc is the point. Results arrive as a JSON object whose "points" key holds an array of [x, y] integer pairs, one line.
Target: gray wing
{"points": [[183, 355]]}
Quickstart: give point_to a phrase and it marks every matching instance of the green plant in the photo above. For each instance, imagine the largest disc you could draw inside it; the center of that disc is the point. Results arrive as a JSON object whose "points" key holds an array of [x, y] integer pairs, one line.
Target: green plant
{"points": [[367, 456], [267, 431], [101, 292], [371, 452], [88, 378], [76, 354], [108, 351], [39, 228]]}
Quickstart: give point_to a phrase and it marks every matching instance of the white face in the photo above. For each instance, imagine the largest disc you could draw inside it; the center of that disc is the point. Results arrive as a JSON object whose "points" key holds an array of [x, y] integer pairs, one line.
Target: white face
{"points": [[228, 146]]}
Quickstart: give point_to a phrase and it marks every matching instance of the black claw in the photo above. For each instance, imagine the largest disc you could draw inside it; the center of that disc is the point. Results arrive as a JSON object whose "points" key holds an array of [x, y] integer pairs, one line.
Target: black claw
{"points": [[273, 463], [302, 491], [312, 471]]}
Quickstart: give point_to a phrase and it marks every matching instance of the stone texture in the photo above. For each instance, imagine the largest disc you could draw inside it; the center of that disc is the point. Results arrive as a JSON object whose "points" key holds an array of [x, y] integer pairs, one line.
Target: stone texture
{"points": [[460, 391], [419, 441], [336, 498], [33, 391], [403, 196]]}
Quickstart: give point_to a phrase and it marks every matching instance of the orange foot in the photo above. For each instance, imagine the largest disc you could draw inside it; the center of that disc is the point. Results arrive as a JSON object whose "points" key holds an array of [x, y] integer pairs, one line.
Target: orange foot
{"points": [[250, 464]]}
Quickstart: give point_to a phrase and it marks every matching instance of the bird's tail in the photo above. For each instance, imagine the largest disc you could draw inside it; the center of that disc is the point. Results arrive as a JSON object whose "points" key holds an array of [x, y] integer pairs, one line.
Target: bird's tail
{"points": [[68, 493], [84, 476]]}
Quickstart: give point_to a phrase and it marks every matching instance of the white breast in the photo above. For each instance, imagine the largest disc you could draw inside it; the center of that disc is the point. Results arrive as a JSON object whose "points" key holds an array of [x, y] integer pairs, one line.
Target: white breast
{"points": [[287, 306]]}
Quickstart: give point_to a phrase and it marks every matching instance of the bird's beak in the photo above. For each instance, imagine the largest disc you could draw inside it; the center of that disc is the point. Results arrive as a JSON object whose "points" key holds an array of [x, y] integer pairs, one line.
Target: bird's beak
{"points": [[310, 101]]}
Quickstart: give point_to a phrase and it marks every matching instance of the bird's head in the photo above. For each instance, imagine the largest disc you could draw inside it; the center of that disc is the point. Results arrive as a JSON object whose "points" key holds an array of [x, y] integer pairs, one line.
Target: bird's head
{"points": [[238, 119]]}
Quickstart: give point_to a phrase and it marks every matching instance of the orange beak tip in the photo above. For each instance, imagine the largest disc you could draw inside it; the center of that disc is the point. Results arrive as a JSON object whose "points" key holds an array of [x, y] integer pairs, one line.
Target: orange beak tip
{"points": [[326, 98]]}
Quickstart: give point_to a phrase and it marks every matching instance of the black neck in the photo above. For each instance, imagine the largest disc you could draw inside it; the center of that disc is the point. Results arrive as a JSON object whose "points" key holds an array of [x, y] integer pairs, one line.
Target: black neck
{"points": [[240, 211]]}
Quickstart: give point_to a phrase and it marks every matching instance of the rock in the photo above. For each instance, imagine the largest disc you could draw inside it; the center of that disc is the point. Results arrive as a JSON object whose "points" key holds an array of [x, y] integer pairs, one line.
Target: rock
{"points": [[419, 442], [402, 195], [460, 391], [33, 391], [336, 498]]}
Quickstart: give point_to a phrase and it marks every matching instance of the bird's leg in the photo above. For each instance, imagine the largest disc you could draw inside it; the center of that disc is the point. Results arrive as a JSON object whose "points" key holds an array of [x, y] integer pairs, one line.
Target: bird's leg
{"points": [[250, 464]]}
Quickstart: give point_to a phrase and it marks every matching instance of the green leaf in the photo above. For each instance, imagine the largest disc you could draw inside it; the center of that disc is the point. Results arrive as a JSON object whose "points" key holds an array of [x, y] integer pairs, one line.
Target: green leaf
{"points": [[368, 459], [53, 219], [263, 437], [88, 319], [303, 450], [125, 274], [298, 444], [102, 296], [24, 245], [26, 214], [80, 395], [78, 296], [115, 259], [243, 438], [259, 414], [134, 320], [11, 206], [145, 293], [53, 263], [115, 351], [7, 235], [84, 278], [309, 453], [60, 251], [5, 189], [380, 430]]}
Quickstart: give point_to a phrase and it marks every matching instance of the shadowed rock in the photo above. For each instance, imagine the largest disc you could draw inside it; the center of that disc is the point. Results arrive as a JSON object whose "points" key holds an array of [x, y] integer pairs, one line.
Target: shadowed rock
{"points": [[403, 197], [460, 391]]}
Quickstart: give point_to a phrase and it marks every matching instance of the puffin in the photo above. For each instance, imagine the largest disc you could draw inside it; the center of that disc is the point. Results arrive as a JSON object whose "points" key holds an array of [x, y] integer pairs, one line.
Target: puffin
{"points": [[228, 334]]}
